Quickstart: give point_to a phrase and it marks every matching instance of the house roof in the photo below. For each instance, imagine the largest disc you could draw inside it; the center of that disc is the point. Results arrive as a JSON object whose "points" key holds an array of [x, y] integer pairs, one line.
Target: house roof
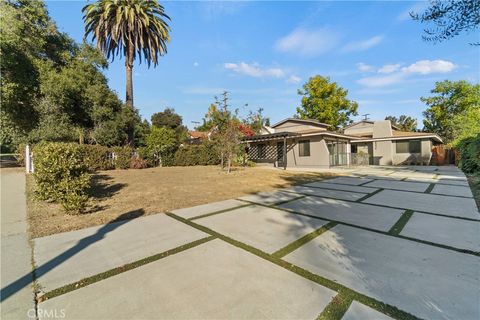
{"points": [[306, 121], [270, 136], [367, 121], [198, 134], [404, 136]]}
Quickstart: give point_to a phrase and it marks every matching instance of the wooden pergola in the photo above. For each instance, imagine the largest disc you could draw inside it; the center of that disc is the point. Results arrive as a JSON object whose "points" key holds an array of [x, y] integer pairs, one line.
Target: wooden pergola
{"points": [[278, 136]]}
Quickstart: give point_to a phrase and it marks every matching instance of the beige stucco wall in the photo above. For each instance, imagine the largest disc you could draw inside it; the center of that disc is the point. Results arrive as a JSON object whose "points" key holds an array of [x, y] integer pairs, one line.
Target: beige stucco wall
{"points": [[408, 158], [362, 128], [319, 155], [383, 153], [382, 129], [295, 127]]}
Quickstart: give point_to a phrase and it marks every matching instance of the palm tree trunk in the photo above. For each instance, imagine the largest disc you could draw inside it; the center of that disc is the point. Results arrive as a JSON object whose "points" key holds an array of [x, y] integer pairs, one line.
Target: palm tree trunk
{"points": [[129, 90], [129, 67]]}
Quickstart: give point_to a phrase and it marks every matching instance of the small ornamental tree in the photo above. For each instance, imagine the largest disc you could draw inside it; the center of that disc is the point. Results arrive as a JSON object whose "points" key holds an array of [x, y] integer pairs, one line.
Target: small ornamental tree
{"points": [[161, 142]]}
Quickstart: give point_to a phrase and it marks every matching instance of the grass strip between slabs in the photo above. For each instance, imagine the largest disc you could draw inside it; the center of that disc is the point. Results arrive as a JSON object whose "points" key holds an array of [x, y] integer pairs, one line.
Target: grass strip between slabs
{"points": [[400, 224], [382, 307], [337, 307], [300, 242], [113, 272]]}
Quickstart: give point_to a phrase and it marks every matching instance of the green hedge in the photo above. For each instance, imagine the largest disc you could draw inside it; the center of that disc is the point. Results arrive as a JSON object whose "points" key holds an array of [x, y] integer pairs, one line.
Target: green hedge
{"points": [[98, 157], [61, 174], [470, 154], [194, 155]]}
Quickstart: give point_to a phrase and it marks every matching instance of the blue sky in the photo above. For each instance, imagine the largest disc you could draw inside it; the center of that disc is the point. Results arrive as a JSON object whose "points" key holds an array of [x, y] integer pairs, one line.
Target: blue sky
{"points": [[262, 52]]}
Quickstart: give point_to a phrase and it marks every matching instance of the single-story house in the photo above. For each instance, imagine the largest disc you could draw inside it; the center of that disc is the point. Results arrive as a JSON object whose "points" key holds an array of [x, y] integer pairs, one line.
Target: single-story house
{"points": [[308, 143]]}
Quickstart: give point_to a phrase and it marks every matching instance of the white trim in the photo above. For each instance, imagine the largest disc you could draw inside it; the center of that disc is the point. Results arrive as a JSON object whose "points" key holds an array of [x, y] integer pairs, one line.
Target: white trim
{"points": [[399, 138]]}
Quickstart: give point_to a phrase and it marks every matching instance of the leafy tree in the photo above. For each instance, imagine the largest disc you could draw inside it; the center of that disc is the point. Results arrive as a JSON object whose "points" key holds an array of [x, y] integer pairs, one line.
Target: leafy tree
{"points": [[161, 142], [255, 120], [404, 123], [326, 102], [170, 119], [450, 17], [466, 125], [450, 99], [130, 28]]}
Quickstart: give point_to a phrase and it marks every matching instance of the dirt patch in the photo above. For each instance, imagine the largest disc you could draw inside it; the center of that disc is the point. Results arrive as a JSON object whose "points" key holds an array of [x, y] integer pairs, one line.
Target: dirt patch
{"points": [[119, 192]]}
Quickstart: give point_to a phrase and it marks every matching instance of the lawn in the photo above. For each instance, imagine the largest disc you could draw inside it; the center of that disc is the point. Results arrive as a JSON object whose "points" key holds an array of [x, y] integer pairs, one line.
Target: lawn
{"points": [[123, 194]]}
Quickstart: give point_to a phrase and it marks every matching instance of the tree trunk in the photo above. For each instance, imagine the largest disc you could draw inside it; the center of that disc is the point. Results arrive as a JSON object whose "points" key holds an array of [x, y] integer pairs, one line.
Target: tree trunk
{"points": [[229, 162], [129, 89]]}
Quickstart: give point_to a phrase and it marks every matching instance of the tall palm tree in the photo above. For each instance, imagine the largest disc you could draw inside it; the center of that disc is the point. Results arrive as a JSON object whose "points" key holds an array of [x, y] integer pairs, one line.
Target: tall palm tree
{"points": [[130, 28]]}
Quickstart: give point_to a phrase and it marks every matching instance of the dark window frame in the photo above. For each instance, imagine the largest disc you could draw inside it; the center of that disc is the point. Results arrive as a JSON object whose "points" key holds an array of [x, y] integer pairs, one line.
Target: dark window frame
{"points": [[413, 146], [302, 151]]}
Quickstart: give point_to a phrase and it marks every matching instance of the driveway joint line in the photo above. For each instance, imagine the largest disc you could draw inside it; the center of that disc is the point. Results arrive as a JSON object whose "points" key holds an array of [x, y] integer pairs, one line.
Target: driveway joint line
{"points": [[119, 270], [369, 301], [337, 308], [369, 195], [430, 188], [303, 240], [218, 212], [400, 224]]}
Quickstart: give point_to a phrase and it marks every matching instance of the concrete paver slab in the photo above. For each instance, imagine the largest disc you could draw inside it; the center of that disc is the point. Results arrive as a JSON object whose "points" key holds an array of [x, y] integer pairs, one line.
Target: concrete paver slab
{"points": [[354, 181], [264, 228], [191, 212], [337, 194], [337, 186], [452, 206], [363, 215], [399, 185], [414, 174], [461, 191], [380, 177], [443, 230], [447, 182], [213, 280], [358, 311], [270, 197], [71, 256], [15, 253], [426, 281]]}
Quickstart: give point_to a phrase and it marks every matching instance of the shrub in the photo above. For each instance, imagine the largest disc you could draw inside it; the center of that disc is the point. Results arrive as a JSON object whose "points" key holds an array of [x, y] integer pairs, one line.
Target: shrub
{"points": [[470, 154], [98, 157], [123, 156], [61, 174], [194, 155], [138, 163]]}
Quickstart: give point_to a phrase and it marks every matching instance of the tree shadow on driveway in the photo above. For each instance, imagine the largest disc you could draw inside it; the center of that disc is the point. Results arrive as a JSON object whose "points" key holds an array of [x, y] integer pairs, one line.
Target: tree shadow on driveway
{"points": [[27, 279]]}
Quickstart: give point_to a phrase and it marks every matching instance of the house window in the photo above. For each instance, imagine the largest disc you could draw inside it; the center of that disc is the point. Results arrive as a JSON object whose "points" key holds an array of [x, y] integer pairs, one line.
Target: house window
{"points": [[409, 146], [304, 148]]}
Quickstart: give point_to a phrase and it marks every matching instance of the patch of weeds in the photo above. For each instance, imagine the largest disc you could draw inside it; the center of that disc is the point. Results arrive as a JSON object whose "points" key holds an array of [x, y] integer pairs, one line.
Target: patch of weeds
{"points": [[337, 307], [400, 224], [113, 272]]}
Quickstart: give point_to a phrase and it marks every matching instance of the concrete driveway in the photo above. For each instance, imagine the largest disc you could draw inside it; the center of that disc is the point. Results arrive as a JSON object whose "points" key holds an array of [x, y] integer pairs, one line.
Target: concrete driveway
{"points": [[380, 243]]}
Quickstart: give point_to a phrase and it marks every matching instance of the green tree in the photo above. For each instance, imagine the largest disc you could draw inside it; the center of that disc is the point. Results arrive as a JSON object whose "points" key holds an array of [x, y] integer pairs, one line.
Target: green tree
{"points": [[449, 100], [130, 28], [326, 102], [404, 123], [256, 120], [161, 142], [466, 125], [170, 119], [450, 18]]}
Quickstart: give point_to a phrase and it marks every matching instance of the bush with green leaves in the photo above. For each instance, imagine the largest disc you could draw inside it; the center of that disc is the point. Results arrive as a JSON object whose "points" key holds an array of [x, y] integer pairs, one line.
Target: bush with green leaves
{"points": [[160, 146], [470, 154], [61, 174], [195, 155], [123, 157], [98, 157]]}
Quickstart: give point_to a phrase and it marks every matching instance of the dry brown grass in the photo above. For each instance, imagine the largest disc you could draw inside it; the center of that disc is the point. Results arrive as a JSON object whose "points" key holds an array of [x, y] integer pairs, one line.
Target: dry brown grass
{"points": [[121, 194]]}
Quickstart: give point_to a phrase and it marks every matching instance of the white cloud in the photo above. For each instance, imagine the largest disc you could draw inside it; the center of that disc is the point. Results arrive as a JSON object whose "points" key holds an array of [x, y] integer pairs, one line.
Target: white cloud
{"points": [[381, 81], [254, 70], [196, 64], [364, 67], [389, 68], [395, 74], [294, 79], [430, 66], [308, 42], [362, 45]]}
